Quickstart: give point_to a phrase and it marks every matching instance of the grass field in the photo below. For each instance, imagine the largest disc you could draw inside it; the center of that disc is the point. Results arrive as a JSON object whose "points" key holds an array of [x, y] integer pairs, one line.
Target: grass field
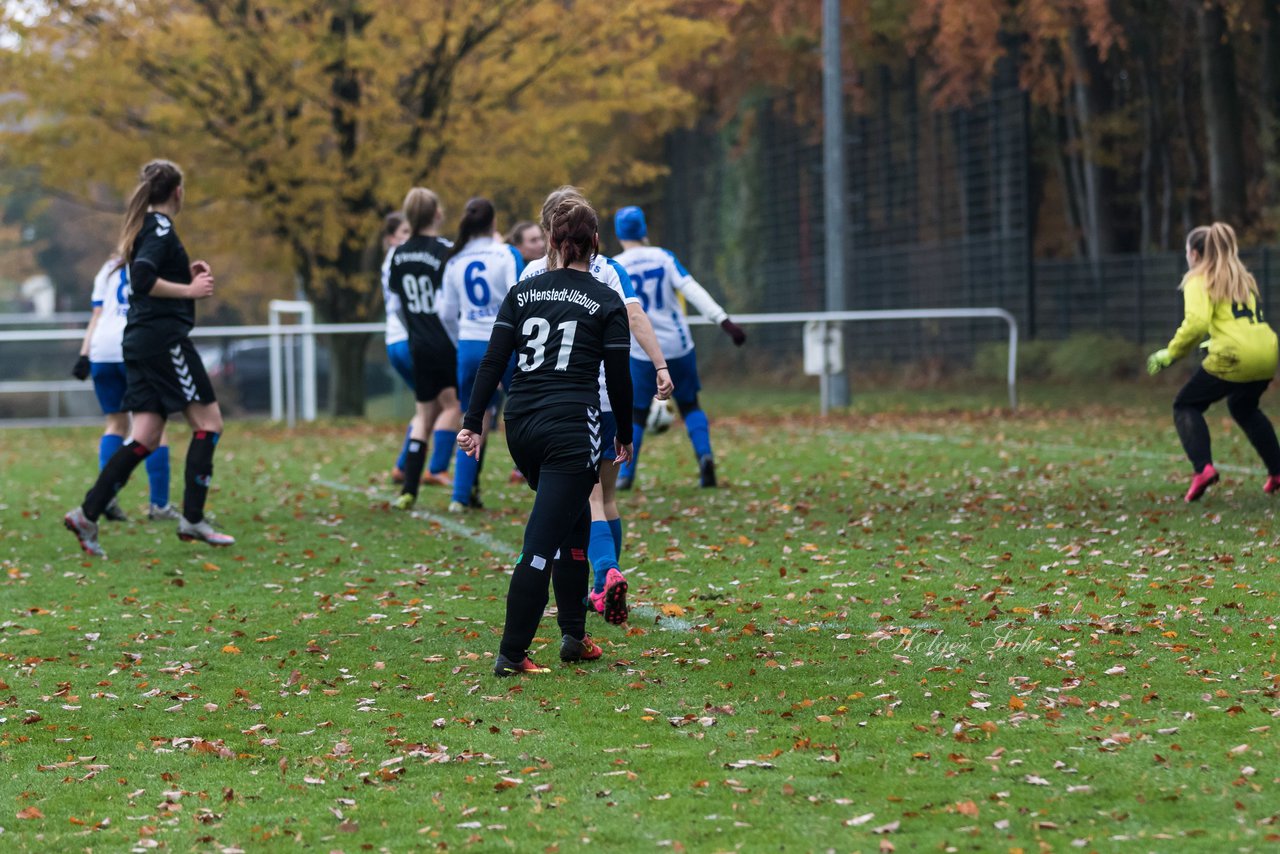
{"points": [[927, 625]]}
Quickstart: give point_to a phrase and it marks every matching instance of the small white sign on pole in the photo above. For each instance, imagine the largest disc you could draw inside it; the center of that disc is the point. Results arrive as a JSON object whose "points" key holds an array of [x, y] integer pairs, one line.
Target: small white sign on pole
{"points": [[823, 348]]}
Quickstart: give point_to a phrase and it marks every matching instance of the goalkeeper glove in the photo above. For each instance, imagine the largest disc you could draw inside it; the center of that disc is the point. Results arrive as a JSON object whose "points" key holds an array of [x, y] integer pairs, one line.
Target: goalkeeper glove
{"points": [[1158, 361], [734, 331], [81, 370]]}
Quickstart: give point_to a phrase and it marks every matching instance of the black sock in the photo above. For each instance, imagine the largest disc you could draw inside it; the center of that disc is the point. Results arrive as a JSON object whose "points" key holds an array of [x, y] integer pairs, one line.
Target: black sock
{"points": [[112, 478], [526, 600], [560, 515], [414, 459], [1257, 427], [199, 474], [572, 578], [474, 497], [1194, 433]]}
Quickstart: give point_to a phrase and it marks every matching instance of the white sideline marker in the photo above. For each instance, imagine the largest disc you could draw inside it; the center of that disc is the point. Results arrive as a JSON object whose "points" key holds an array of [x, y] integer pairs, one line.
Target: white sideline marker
{"points": [[480, 537]]}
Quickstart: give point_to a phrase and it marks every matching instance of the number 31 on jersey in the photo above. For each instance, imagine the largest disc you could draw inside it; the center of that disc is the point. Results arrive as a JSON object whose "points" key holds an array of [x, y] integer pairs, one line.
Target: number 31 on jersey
{"points": [[537, 329]]}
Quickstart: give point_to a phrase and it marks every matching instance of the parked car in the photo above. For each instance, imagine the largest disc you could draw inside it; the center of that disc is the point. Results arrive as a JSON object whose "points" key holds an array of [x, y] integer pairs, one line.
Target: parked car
{"points": [[241, 373]]}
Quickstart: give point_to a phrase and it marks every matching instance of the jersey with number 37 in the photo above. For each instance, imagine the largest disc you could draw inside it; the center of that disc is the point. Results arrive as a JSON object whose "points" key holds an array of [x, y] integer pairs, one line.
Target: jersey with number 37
{"points": [[658, 278], [564, 321]]}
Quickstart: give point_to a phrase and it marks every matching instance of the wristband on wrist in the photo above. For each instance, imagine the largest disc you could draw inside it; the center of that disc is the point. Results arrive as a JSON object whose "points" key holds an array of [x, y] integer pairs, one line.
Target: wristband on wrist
{"points": [[664, 368]]}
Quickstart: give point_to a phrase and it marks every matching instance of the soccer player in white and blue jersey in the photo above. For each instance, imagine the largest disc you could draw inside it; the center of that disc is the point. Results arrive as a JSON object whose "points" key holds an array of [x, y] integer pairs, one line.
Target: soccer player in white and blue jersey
{"points": [[102, 357], [477, 276], [395, 230], [657, 278], [608, 594]]}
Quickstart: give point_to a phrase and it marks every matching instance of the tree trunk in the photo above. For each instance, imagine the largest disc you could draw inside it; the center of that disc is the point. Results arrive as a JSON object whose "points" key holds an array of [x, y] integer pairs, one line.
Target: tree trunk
{"points": [[1269, 94], [343, 290], [1223, 120], [346, 373], [1150, 142], [1097, 181], [1189, 148]]}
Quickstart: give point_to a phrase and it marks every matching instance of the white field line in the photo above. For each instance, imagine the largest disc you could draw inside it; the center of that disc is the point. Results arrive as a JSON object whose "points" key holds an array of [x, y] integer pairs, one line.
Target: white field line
{"points": [[643, 612], [452, 525], [651, 616]]}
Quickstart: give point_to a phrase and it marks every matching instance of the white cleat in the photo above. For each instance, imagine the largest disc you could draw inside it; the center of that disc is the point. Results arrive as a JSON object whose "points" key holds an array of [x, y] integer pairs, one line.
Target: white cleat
{"points": [[202, 531], [167, 513], [86, 531]]}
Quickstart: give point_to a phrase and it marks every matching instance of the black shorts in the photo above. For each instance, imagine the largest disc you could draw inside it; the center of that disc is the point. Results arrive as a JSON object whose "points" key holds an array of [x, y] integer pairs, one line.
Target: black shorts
{"points": [[433, 372], [561, 438], [168, 382]]}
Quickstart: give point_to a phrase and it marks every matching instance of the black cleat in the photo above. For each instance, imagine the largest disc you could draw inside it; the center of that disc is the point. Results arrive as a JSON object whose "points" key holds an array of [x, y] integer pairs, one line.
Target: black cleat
{"points": [[504, 667], [113, 513], [707, 471]]}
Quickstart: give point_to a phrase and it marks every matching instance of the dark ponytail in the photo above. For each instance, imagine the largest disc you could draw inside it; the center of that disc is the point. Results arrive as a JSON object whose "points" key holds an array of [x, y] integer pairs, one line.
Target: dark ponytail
{"points": [[575, 231], [477, 221], [159, 180]]}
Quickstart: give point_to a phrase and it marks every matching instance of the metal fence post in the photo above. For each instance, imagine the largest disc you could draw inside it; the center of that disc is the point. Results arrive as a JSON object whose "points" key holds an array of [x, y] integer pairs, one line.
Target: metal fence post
{"points": [[1140, 308]]}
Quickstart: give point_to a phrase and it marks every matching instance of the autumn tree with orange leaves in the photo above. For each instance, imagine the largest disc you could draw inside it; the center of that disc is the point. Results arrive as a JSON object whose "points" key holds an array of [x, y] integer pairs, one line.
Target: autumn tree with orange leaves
{"points": [[305, 122]]}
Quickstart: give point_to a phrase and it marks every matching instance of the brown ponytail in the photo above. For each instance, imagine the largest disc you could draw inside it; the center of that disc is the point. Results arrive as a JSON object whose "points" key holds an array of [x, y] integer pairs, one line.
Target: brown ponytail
{"points": [[157, 183], [574, 231], [553, 200]]}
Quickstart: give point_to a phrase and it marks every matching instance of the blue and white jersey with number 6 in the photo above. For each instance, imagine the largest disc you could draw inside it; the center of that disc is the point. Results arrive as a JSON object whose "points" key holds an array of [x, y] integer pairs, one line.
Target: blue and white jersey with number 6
{"points": [[111, 294], [476, 280], [657, 276]]}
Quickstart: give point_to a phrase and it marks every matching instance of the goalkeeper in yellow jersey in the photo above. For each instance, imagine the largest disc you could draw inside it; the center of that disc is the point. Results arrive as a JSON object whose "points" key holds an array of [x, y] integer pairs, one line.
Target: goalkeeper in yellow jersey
{"points": [[1220, 299]]}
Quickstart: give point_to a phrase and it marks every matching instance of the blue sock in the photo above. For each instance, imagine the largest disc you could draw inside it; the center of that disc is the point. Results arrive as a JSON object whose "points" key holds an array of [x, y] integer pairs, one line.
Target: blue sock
{"points": [[628, 470], [443, 445], [107, 446], [695, 423], [404, 449], [464, 476], [615, 528], [601, 554], [158, 475]]}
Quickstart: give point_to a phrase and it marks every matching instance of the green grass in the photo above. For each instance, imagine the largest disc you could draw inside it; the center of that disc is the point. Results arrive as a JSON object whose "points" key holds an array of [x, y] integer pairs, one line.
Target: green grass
{"points": [[966, 629]]}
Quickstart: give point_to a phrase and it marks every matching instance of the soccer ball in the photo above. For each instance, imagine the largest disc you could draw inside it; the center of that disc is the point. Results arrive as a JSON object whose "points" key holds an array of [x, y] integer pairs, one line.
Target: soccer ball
{"points": [[660, 417]]}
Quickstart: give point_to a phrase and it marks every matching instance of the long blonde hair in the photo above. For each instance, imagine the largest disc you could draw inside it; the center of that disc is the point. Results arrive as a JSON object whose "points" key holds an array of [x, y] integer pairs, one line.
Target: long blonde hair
{"points": [[159, 180], [1225, 277], [420, 208]]}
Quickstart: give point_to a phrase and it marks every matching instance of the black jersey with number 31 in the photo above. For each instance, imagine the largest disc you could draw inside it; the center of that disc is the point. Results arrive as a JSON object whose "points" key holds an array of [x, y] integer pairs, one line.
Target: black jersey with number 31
{"points": [[416, 270], [563, 320]]}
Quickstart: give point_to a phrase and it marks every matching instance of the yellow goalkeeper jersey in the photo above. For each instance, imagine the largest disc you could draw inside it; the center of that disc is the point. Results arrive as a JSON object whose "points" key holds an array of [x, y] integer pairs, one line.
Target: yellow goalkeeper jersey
{"points": [[1242, 347]]}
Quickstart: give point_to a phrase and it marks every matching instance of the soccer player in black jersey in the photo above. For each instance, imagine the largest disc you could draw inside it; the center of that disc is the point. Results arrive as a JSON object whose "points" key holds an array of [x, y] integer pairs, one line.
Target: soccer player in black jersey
{"points": [[415, 272], [561, 325], [163, 371]]}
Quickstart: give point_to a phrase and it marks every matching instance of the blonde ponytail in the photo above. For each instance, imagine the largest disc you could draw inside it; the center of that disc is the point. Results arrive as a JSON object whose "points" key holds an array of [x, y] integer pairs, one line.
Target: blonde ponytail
{"points": [[1226, 279], [421, 207]]}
